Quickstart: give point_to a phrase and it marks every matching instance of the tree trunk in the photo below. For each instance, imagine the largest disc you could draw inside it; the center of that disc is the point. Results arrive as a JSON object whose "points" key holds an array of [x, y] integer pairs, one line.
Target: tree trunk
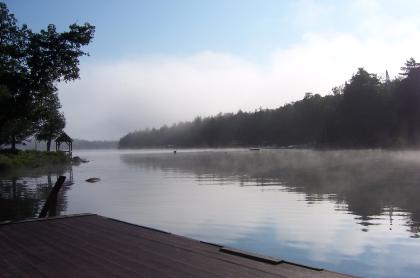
{"points": [[49, 144], [13, 145]]}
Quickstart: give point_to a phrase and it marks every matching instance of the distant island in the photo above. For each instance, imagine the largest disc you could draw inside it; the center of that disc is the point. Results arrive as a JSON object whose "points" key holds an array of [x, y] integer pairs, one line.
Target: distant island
{"points": [[367, 111], [78, 144]]}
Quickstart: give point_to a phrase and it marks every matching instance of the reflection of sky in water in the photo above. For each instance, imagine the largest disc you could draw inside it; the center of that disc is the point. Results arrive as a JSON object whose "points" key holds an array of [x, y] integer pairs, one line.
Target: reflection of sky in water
{"points": [[339, 220]]}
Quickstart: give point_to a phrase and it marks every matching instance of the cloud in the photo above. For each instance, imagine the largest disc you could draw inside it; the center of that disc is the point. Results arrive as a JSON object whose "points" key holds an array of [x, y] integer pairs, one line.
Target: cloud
{"points": [[119, 96]]}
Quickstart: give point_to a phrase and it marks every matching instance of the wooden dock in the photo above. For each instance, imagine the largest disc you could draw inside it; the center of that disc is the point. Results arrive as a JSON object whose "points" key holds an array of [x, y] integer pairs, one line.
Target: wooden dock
{"points": [[94, 246]]}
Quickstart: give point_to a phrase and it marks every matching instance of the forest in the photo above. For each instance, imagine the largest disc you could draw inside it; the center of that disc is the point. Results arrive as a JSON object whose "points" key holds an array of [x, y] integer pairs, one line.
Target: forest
{"points": [[366, 112]]}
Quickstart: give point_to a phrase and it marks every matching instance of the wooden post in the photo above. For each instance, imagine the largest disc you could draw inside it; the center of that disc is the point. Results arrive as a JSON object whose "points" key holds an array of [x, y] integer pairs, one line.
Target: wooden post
{"points": [[51, 203]]}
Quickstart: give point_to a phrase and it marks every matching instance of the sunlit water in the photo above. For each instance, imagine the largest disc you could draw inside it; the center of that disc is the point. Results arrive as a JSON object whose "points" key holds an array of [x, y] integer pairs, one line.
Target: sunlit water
{"points": [[355, 212]]}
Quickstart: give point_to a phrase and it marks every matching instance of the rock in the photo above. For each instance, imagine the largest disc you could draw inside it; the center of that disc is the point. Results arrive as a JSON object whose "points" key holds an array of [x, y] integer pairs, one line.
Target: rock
{"points": [[78, 160], [92, 180]]}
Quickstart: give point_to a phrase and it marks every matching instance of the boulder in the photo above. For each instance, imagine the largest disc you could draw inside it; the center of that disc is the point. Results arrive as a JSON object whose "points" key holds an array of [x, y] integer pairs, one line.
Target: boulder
{"points": [[93, 180]]}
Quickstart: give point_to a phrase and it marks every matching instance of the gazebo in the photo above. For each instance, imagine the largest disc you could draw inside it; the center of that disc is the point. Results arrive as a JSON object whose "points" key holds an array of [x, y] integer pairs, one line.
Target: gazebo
{"points": [[64, 139]]}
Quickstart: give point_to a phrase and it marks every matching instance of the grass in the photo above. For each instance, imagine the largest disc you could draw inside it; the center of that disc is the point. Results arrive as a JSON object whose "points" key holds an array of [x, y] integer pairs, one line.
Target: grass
{"points": [[31, 159]]}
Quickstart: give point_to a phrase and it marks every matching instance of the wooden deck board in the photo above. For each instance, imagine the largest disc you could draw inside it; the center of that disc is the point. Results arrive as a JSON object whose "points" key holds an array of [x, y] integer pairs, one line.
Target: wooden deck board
{"points": [[95, 246]]}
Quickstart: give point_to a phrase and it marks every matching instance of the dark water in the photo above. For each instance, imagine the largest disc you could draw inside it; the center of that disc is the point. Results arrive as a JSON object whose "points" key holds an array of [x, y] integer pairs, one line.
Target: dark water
{"points": [[356, 212]]}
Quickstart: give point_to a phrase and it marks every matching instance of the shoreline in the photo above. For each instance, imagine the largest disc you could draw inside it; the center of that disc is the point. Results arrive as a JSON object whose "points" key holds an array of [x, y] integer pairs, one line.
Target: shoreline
{"points": [[31, 159]]}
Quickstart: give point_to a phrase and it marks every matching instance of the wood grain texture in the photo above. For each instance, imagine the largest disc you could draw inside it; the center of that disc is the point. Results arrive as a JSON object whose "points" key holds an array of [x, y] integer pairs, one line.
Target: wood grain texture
{"points": [[95, 246]]}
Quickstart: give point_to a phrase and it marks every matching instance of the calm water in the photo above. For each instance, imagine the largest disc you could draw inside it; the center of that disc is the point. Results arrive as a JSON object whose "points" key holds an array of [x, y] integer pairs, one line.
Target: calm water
{"points": [[356, 212]]}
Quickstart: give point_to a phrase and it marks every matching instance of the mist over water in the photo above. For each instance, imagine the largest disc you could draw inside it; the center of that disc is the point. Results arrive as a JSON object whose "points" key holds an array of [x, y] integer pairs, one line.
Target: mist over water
{"points": [[353, 211]]}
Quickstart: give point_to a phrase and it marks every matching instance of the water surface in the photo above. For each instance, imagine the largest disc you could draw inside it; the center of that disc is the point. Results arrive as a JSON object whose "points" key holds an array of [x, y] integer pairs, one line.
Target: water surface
{"points": [[356, 212]]}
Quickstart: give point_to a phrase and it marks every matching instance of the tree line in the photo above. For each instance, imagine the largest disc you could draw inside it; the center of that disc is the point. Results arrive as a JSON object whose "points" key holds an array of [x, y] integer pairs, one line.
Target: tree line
{"points": [[367, 111], [31, 65]]}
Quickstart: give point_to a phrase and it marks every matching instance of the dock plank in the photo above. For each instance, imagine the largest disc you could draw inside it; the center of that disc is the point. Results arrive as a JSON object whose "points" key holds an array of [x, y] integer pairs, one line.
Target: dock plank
{"points": [[96, 246]]}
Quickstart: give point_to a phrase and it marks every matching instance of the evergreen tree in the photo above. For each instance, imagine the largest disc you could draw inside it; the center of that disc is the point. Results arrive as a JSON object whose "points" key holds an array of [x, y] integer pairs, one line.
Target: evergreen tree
{"points": [[364, 112]]}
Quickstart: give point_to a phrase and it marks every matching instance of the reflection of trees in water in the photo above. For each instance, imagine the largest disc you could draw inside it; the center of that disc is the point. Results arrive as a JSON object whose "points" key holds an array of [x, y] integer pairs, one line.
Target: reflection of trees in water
{"points": [[366, 183], [22, 195]]}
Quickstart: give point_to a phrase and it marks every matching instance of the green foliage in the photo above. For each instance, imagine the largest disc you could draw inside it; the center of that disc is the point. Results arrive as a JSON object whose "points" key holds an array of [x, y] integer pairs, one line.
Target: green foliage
{"points": [[409, 66], [51, 120], [31, 64], [364, 112], [31, 159]]}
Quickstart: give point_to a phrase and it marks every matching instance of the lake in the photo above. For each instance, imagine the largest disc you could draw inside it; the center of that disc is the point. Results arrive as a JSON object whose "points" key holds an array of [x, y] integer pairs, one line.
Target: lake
{"points": [[356, 212]]}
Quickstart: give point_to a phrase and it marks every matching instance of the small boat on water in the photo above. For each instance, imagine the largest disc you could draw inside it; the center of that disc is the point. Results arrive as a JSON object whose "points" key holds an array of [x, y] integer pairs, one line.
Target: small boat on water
{"points": [[254, 149]]}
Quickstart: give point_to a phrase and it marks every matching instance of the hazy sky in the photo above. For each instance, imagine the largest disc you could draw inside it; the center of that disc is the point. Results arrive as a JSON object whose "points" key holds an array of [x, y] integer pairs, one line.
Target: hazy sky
{"points": [[160, 62]]}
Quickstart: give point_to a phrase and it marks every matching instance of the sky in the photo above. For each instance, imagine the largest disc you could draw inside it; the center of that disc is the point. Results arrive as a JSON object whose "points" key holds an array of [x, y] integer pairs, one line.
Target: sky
{"points": [[160, 62]]}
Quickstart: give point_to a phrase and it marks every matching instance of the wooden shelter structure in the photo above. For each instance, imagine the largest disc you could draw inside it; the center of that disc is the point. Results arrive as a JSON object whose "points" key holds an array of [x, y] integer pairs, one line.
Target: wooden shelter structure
{"points": [[64, 139]]}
